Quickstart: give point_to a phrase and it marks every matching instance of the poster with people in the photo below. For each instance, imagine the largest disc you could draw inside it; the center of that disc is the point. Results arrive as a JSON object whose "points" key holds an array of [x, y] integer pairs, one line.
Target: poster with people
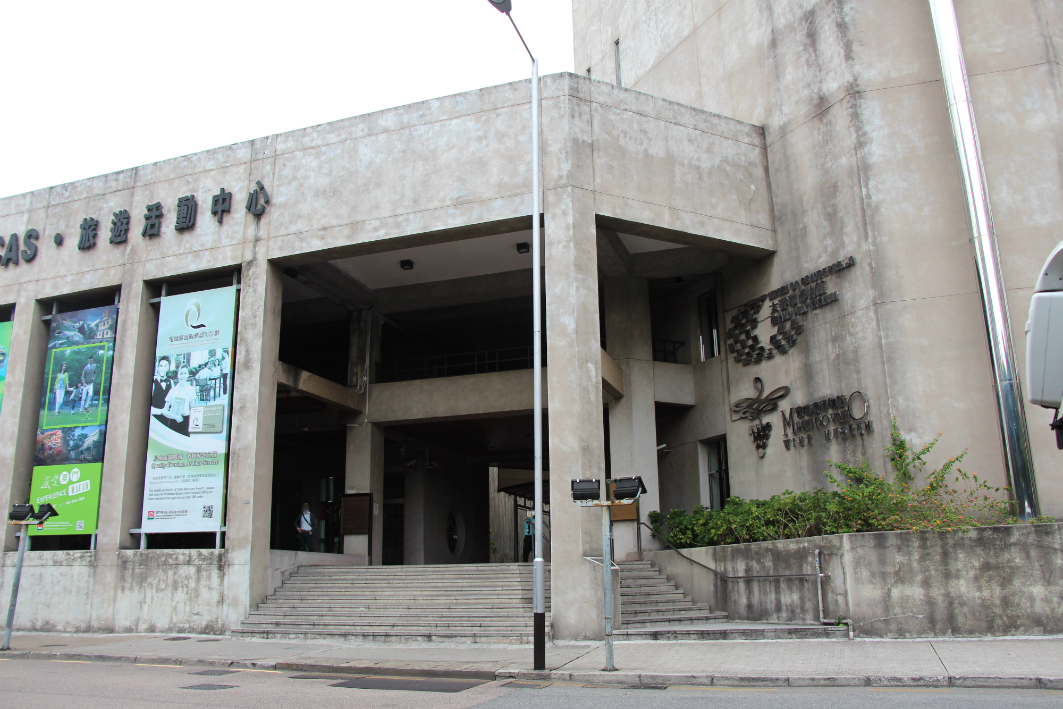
{"points": [[5, 349], [71, 430], [188, 428]]}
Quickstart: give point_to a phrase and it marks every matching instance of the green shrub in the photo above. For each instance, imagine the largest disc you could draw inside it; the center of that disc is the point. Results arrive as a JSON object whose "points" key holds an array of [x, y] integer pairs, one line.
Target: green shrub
{"points": [[864, 501]]}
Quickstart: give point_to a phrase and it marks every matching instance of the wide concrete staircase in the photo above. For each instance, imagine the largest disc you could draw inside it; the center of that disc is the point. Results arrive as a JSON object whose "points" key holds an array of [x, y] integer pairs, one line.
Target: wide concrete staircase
{"points": [[648, 597], [478, 603]]}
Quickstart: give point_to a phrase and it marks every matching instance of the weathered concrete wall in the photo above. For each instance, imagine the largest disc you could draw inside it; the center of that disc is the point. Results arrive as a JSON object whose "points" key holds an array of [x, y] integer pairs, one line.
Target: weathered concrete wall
{"points": [[155, 591], [984, 582], [861, 162]]}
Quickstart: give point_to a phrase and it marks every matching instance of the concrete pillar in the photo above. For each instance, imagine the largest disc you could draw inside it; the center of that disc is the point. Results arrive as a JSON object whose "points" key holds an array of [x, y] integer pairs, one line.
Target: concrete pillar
{"points": [[22, 403], [122, 483], [577, 446], [632, 418], [250, 489], [502, 517], [365, 473]]}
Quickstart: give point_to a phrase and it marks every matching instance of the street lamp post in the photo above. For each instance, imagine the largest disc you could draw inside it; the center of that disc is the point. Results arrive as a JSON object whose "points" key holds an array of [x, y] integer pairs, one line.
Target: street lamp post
{"points": [[538, 565], [22, 516]]}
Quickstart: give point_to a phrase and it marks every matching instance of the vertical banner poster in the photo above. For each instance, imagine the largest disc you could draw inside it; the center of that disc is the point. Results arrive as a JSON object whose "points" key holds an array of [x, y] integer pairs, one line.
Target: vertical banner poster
{"points": [[68, 462], [5, 349], [188, 430]]}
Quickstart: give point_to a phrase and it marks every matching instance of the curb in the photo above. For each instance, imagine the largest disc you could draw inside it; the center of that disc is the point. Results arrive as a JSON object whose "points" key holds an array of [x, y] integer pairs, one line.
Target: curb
{"points": [[633, 679], [488, 675], [630, 679]]}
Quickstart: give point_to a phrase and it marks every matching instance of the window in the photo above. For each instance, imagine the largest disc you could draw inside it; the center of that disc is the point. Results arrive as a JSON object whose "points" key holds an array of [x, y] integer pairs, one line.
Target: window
{"points": [[616, 48], [719, 478], [709, 326]]}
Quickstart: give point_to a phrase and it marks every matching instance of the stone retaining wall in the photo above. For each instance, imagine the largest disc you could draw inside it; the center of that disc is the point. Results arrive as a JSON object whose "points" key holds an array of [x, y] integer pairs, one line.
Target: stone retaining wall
{"points": [[988, 581]]}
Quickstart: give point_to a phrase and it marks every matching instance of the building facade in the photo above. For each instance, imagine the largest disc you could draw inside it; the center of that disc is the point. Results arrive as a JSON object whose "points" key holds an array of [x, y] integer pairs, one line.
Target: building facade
{"points": [[755, 255]]}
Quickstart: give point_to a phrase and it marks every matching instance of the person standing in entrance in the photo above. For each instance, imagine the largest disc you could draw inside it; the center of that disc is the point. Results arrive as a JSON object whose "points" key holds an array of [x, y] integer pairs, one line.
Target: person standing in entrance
{"points": [[529, 534], [304, 525]]}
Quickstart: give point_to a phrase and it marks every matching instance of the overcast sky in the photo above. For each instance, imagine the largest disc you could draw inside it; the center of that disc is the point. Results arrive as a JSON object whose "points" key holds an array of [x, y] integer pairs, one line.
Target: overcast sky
{"points": [[94, 87]]}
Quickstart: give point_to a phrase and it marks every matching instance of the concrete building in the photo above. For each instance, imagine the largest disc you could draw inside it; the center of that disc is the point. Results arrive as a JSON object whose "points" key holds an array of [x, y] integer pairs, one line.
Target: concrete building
{"points": [[743, 200]]}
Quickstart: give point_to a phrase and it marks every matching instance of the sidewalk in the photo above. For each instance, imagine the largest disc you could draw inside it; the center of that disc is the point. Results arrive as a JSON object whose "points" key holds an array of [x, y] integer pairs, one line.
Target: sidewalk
{"points": [[1027, 663]]}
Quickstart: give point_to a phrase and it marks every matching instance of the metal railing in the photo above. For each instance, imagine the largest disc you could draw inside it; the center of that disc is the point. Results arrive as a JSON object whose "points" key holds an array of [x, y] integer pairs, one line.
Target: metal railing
{"points": [[455, 365], [666, 350]]}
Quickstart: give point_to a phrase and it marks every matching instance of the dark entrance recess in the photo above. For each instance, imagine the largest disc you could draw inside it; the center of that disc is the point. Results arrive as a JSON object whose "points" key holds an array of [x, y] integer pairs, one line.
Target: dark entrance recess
{"points": [[308, 467], [478, 338], [310, 445]]}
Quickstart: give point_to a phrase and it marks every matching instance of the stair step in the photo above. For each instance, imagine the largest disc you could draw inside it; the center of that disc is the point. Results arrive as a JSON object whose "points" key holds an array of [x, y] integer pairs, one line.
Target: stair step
{"points": [[724, 631]]}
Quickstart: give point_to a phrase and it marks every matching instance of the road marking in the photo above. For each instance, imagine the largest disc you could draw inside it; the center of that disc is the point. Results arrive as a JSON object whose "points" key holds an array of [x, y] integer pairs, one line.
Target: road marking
{"points": [[730, 689], [237, 669], [152, 664], [80, 662], [907, 689]]}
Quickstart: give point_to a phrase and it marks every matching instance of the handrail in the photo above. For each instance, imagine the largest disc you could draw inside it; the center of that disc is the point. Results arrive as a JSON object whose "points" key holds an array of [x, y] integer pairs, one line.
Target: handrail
{"points": [[722, 575]]}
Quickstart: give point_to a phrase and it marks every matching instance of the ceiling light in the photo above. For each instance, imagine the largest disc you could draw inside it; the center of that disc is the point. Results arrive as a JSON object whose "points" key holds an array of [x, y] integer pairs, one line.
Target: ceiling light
{"points": [[523, 247], [406, 264]]}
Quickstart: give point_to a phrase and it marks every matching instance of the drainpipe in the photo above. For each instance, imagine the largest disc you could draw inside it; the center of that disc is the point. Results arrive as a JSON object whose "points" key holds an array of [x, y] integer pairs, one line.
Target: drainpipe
{"points": [[1017, 458], [819, 594]]}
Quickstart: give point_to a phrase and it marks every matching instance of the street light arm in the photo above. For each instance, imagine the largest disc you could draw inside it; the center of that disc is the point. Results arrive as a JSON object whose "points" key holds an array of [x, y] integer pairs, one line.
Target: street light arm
{"points": [[521, 36]]}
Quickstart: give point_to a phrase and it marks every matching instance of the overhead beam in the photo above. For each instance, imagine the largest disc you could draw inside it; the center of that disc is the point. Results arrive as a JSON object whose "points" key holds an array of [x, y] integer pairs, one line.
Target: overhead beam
{"points": [[318, 388], [613, 257], [332, 282], [612, 378]]}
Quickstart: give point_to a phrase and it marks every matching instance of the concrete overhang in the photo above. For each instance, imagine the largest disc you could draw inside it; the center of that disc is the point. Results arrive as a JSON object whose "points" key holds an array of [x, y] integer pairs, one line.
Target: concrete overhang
{"points": [[319, 388], [471, 396], [673, 383]]}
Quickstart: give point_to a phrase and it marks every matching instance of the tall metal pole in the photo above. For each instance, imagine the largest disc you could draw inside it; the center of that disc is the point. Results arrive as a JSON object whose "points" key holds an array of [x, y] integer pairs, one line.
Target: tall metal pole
{"points": [[607, 567], [538, 565], [14, 589], [1017, 457]]}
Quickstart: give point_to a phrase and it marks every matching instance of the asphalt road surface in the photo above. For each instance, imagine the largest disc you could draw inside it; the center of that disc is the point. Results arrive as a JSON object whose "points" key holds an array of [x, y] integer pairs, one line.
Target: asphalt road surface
{"points": [[88, 685]]}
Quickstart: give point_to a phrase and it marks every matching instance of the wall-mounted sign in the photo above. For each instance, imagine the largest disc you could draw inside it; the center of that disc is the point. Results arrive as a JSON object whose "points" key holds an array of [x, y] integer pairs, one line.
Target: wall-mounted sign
{"points": [[790, 304], [837, 417], [188, 428], [755, 409], [68, 461], [89, 228]]}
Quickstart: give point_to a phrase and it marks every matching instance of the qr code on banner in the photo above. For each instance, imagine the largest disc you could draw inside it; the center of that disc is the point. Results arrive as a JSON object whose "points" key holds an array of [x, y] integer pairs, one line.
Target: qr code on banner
{"points": [[80, 526], [208, 511]]}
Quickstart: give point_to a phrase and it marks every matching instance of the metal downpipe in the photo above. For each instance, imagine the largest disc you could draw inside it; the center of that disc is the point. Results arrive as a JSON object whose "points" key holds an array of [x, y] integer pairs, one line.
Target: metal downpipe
{"points": [[1017, 457]]}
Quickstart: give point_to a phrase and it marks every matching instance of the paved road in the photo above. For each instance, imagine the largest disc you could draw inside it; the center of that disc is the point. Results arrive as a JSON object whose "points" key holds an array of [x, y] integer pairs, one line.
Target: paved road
{"points": [[92, 685]]}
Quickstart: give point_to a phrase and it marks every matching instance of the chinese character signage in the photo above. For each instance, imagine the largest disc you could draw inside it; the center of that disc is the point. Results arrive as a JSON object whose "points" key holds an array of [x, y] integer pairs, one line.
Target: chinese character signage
{"points": [[72, 427], [188, 430], [184, 219]]}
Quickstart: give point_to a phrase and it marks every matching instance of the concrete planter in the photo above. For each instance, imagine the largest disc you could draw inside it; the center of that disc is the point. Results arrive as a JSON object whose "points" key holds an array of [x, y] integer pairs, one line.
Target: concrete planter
{"points": [[988, 581]]}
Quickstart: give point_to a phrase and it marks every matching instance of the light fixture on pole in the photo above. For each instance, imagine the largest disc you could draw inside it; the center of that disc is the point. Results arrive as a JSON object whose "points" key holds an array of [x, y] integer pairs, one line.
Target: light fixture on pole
{"points": [[586, 493], [538, 565]]}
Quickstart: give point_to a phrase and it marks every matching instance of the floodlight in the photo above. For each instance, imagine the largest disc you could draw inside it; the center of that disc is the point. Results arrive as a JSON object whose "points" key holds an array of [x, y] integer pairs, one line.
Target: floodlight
{"points": [[523, 247], [20, 512], [505, 6], [406, 264], [628, 488], [44, 512], [586, 490]]}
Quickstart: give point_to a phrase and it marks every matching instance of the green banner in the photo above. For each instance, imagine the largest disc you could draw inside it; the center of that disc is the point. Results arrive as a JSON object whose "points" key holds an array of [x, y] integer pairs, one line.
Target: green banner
{"points": [[72, 426], [188, 428], [5, 351], [74, 492]]}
